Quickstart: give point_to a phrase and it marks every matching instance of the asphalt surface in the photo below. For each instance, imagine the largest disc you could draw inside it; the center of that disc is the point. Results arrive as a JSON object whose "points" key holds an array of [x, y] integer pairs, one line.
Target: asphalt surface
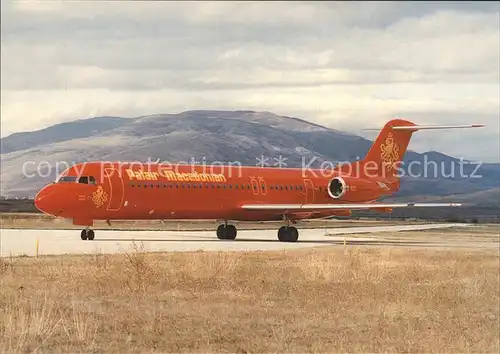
{"points": [[16, 242]]}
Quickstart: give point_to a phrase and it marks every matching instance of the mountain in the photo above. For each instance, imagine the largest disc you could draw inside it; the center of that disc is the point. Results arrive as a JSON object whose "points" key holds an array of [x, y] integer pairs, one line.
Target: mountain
{"points": [[61, 132], [209, 136]]}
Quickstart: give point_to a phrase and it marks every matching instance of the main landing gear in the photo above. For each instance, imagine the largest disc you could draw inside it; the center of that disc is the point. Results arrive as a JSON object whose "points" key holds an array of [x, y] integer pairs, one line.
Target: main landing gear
{"points": [[87, 234], [226, 232], [285, 233], [288, 234]]}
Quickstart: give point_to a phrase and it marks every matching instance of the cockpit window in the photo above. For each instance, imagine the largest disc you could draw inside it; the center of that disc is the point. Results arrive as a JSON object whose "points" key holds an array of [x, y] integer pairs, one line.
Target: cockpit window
{"points": [[71, 179], [86, 180], [74, 179]]}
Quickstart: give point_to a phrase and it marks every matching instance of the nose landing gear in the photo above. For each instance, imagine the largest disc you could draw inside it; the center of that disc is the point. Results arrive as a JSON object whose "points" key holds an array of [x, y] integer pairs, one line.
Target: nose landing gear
{"points": [[87, 234]]}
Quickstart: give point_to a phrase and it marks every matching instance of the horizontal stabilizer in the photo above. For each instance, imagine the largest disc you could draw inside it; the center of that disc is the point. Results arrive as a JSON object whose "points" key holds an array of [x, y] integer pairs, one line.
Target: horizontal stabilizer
{"points": [[344, 206], [429, 127]]}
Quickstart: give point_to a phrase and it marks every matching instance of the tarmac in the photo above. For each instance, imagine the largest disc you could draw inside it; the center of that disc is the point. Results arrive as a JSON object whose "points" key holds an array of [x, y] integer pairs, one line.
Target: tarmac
{"points": [[30, 242]]}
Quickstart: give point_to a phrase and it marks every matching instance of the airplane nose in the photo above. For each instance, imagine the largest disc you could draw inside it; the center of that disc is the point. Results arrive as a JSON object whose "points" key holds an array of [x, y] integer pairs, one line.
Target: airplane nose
{"points": [[43, 200]]}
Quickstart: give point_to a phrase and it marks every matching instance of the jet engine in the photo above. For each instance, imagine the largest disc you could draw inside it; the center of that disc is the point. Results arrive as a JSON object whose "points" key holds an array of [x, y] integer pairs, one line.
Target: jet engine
{"points": [[337, 187], [353, 189]]}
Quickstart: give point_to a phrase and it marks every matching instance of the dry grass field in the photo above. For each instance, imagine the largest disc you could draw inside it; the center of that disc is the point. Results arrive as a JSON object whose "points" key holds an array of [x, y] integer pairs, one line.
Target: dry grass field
{"points": [[311, 300]]}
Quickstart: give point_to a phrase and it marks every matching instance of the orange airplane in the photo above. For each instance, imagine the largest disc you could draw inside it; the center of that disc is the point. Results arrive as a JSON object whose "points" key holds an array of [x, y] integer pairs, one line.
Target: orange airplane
{"points": [[135, 191]]}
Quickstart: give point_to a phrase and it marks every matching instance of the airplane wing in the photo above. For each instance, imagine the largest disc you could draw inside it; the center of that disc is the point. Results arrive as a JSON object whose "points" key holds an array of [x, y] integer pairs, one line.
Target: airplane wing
{"points": [[293, 207]]}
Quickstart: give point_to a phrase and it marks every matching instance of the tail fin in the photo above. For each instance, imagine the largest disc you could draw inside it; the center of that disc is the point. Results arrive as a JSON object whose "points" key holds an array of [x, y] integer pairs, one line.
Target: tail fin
{"points": [[388, 150]]}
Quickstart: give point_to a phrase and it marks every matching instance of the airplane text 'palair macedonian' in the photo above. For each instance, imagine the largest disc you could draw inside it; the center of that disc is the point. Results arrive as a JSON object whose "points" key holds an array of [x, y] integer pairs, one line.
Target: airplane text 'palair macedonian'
{"points": [[120, 191], [169, 175]]}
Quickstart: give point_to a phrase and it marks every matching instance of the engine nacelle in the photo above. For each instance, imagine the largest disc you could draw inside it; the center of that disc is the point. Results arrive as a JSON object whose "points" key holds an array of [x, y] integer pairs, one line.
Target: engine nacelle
{"points": [[337, 187], [352, 189]]}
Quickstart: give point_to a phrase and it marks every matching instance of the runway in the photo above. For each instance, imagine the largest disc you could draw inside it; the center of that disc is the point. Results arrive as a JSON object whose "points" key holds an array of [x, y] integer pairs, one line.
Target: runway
{"points": [[16, 242]]}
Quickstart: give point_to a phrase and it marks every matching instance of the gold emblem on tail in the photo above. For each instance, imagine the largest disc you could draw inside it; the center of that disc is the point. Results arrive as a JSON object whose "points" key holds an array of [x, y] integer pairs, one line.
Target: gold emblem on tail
{"points": [[99, 197], [389, 152]]}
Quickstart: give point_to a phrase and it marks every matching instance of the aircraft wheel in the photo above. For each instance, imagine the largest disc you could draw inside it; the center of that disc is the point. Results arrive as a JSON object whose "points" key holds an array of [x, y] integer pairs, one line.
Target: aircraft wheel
{"points": [[87, 234], [221, 232], [288, 234], [226, 232], [231, 232]]}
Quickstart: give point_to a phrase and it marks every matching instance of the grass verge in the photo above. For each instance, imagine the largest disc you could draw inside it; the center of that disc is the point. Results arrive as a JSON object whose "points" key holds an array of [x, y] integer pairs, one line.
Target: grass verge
{"points": [[317, 300]]}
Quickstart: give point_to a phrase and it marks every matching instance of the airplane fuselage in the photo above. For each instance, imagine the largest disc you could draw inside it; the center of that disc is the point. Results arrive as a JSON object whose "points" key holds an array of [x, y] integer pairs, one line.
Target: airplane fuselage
{"points": [[118, 191]]}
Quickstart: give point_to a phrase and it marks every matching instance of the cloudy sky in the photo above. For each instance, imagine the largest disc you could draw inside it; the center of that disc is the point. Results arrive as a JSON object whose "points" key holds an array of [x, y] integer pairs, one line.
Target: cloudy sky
{"points": [[344, 65]]}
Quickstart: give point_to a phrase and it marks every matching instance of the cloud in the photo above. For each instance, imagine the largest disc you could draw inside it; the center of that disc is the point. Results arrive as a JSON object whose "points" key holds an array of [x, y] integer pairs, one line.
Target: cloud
{"points": [[341, 64]]}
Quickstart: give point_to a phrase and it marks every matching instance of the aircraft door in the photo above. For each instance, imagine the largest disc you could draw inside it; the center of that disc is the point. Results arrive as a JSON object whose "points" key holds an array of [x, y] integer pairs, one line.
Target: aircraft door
{"points": [[115, 187], [255, 186], [263, 186], [309, 189]]}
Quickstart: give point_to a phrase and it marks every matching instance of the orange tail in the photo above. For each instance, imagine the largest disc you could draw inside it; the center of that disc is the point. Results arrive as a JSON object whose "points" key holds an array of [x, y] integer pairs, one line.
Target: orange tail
{"points": [[387, 152], [385, 156]]}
